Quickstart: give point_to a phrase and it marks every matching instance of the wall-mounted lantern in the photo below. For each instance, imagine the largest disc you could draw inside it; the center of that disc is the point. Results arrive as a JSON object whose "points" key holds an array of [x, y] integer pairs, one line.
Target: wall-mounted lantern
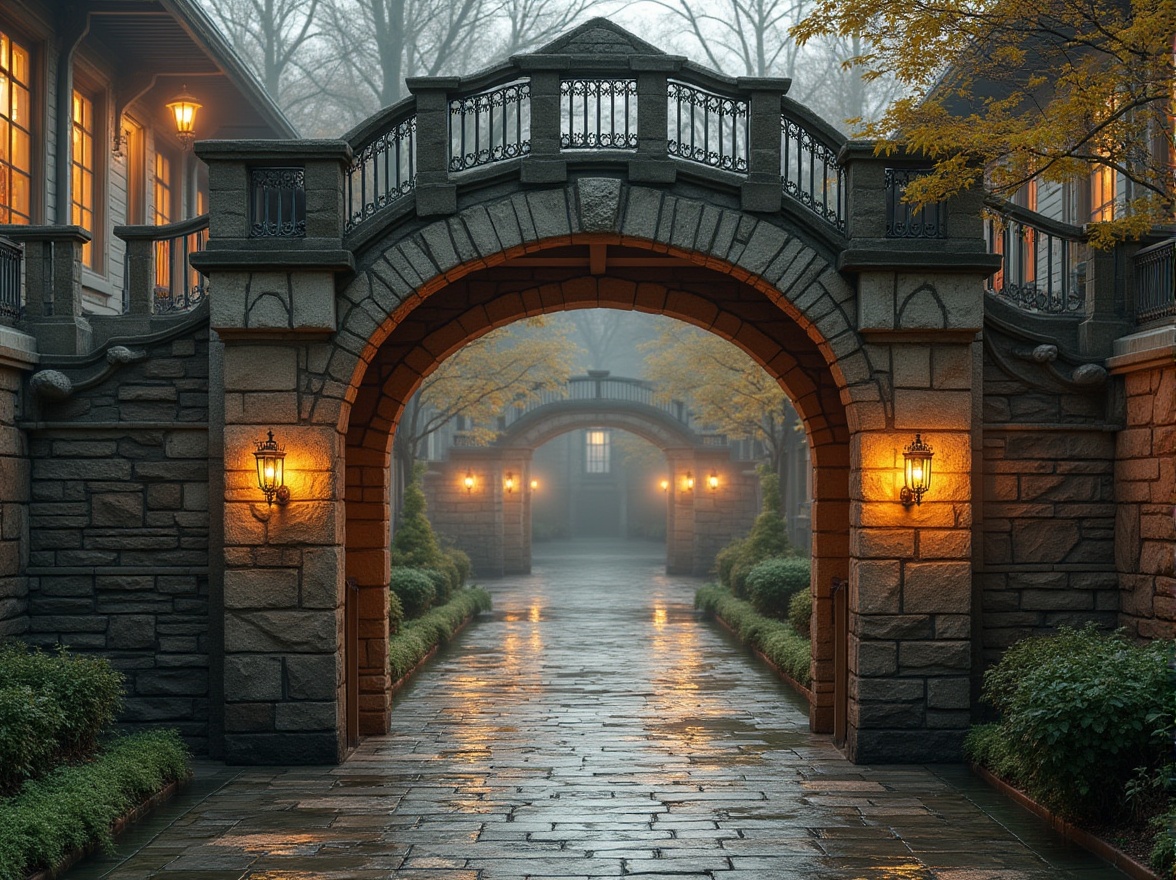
{"points": [[688, 482], [916, 472], [665, 485], [712, 482], [183, 109], [508, 483], [468, 482], [271, 470], [534, 485]]}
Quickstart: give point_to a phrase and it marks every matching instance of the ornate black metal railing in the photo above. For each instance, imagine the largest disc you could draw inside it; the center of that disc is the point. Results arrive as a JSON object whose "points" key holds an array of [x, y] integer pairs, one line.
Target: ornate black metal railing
{"points": [[277, 203], [382, 171], [810, 172], [598, 114], [491, 126], [599, 387], [11, 254], [1155, 281], [166, 281], [905, 220], [1041, 260], [707, 128]]}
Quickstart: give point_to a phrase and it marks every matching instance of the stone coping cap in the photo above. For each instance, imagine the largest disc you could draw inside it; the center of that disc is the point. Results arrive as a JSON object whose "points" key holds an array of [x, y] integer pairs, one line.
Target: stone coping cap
{"points": [[17, 349], [258, 150]]}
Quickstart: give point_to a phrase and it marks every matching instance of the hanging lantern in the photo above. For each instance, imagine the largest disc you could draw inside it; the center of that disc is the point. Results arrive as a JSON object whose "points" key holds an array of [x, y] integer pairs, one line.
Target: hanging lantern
{"points": [[183, 109], [916, 472], [271, 470], [712, 482], [688, 482], [468, 482], [509, 483]]}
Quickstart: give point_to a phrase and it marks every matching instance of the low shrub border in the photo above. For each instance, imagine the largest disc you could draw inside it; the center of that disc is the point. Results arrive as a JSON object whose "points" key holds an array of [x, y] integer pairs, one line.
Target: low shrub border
{"points": [[1101, 848], [773, 641], [419, 639], [75, 808]]}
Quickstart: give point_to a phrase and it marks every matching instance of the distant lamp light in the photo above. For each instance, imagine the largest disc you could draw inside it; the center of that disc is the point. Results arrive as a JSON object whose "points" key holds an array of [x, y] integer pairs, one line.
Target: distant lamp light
{"points": [[271, 470], [534, 485], [916, 472], [665, 485], [688, 482], [468, 482], [509, 483], [183, 109], [712, 482]]}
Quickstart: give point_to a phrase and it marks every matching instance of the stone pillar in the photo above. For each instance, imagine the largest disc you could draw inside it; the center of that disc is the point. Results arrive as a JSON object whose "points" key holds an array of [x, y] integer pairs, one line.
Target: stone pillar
{"points": [[53, 286], [435, 195], [544, 164], [680, 512], [17, 356], [516, 512], [652, 164], [762, 190], [471, 517]]}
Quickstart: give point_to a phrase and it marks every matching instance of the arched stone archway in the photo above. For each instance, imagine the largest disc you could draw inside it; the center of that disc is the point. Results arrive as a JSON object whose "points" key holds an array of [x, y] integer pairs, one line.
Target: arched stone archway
{"points": [[328, 330]]}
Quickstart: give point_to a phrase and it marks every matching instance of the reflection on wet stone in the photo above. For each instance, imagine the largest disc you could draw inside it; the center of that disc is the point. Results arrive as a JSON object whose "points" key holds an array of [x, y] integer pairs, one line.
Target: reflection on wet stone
{"points": [[592, 726]]}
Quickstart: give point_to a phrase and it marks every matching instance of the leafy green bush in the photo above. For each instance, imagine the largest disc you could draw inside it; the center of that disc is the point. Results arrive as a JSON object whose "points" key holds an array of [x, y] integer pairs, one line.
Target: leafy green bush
{"points": [[414, 588], [1080, 712], [461, 562], [75, 805], [417, 637], [442, 584], [771, 584], [800, 613], [766, 540], [774, 638], [52, 709], [395, 614]]}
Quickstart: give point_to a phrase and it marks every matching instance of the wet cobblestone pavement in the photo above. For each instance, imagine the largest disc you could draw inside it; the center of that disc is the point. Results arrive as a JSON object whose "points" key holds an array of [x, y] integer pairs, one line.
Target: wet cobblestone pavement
{"points": [[592, 726]]}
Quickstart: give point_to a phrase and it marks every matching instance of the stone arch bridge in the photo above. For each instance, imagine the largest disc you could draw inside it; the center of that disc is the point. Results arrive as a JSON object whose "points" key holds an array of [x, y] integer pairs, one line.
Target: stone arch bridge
{"points": [[480, 496], [596, 172]]}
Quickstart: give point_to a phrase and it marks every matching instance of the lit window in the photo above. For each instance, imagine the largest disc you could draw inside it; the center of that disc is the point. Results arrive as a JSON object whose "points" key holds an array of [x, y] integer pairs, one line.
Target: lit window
{"points": [[1102, 194], [82, 188], [15, 151], [597, 458], [161, 193]]}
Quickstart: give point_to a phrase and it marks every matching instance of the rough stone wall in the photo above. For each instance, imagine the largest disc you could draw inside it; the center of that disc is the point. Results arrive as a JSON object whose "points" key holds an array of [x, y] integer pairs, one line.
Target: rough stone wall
{"points": [[1145, 473], [1047, 529], [14, 495], [119, 526]]}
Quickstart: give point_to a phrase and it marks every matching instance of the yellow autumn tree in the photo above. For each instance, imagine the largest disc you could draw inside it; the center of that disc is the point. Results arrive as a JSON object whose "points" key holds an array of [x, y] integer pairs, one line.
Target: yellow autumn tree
{"points": [[727, 391], [510, 366], [1002, 92]]}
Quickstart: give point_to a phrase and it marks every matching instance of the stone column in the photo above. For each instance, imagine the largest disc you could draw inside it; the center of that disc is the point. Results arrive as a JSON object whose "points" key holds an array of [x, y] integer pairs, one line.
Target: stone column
{"points": [[680, 512], [762, 190], [652, 164], [53, 286], [435, 195]]}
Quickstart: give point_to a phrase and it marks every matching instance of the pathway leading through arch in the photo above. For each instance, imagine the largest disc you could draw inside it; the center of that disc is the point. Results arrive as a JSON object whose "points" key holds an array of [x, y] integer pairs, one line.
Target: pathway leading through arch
{"points": [[594, 726]]}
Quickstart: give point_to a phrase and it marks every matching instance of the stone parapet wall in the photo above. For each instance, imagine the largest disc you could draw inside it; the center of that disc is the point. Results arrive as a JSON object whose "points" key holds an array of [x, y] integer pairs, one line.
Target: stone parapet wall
{"points": [[16, 358], [119, 517]]}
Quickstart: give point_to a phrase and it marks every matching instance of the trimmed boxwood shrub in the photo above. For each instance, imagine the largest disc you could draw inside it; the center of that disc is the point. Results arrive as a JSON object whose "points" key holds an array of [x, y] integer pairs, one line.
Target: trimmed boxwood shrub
{"points": [[1080, 713], [771, 584], [53, 707], [800, 613], [774, 638], [415, 589], [417, 637], [75, 806]]}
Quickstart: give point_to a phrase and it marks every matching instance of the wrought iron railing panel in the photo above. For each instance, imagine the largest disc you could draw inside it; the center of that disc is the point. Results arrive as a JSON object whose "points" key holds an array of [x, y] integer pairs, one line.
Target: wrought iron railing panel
{"points": [[382, 172], [174, 285], [598, 114], [1041, 265], [11, 254], [707, 128], [903, 219], [1155, 281], [277, 202], [491, 126], [610, 388], [810, 172]]}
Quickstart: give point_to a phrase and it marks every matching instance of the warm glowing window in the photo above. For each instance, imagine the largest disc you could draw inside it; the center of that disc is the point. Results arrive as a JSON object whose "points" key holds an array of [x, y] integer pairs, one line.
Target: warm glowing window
{"points": [[1102, 194], [597, 452], [82, 184], [136, 171], [161, 195], [15, 141]]}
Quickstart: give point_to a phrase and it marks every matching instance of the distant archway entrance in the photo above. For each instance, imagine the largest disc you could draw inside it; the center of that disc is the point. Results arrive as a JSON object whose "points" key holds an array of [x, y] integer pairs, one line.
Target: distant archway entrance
{"points": [[346, 271]]}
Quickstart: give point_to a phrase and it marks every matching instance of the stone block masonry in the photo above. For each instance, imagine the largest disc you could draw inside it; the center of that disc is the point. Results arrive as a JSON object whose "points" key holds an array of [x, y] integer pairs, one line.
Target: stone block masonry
{"points": [[119, 525], [15, 357]]}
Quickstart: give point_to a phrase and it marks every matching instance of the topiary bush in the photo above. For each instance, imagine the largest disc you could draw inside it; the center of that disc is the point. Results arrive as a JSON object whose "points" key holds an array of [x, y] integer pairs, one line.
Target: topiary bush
{"points": [[461, 562], [1080, 713], [414, 588], [800, 613], [415, 545], [53, 707], [771, 584]]}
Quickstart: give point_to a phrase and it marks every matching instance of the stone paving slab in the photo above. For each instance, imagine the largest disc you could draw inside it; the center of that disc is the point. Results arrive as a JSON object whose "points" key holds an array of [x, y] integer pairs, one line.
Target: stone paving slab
{"points": [[593, 726]]}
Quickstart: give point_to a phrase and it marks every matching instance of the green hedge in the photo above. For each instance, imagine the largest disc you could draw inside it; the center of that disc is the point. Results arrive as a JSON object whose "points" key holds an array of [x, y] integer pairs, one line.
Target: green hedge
{"points": [[74, 806], [774, 638], [771, 584], [1080, 714], [418, 637], [52, 709]]}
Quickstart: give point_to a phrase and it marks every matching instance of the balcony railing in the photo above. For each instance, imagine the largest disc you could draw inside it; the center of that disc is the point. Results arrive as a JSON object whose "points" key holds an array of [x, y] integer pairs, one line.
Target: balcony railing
{"points": [[904, 220], [1043, 263], [599, 387], [1155, 281], [158, 277], [10, 285]]}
